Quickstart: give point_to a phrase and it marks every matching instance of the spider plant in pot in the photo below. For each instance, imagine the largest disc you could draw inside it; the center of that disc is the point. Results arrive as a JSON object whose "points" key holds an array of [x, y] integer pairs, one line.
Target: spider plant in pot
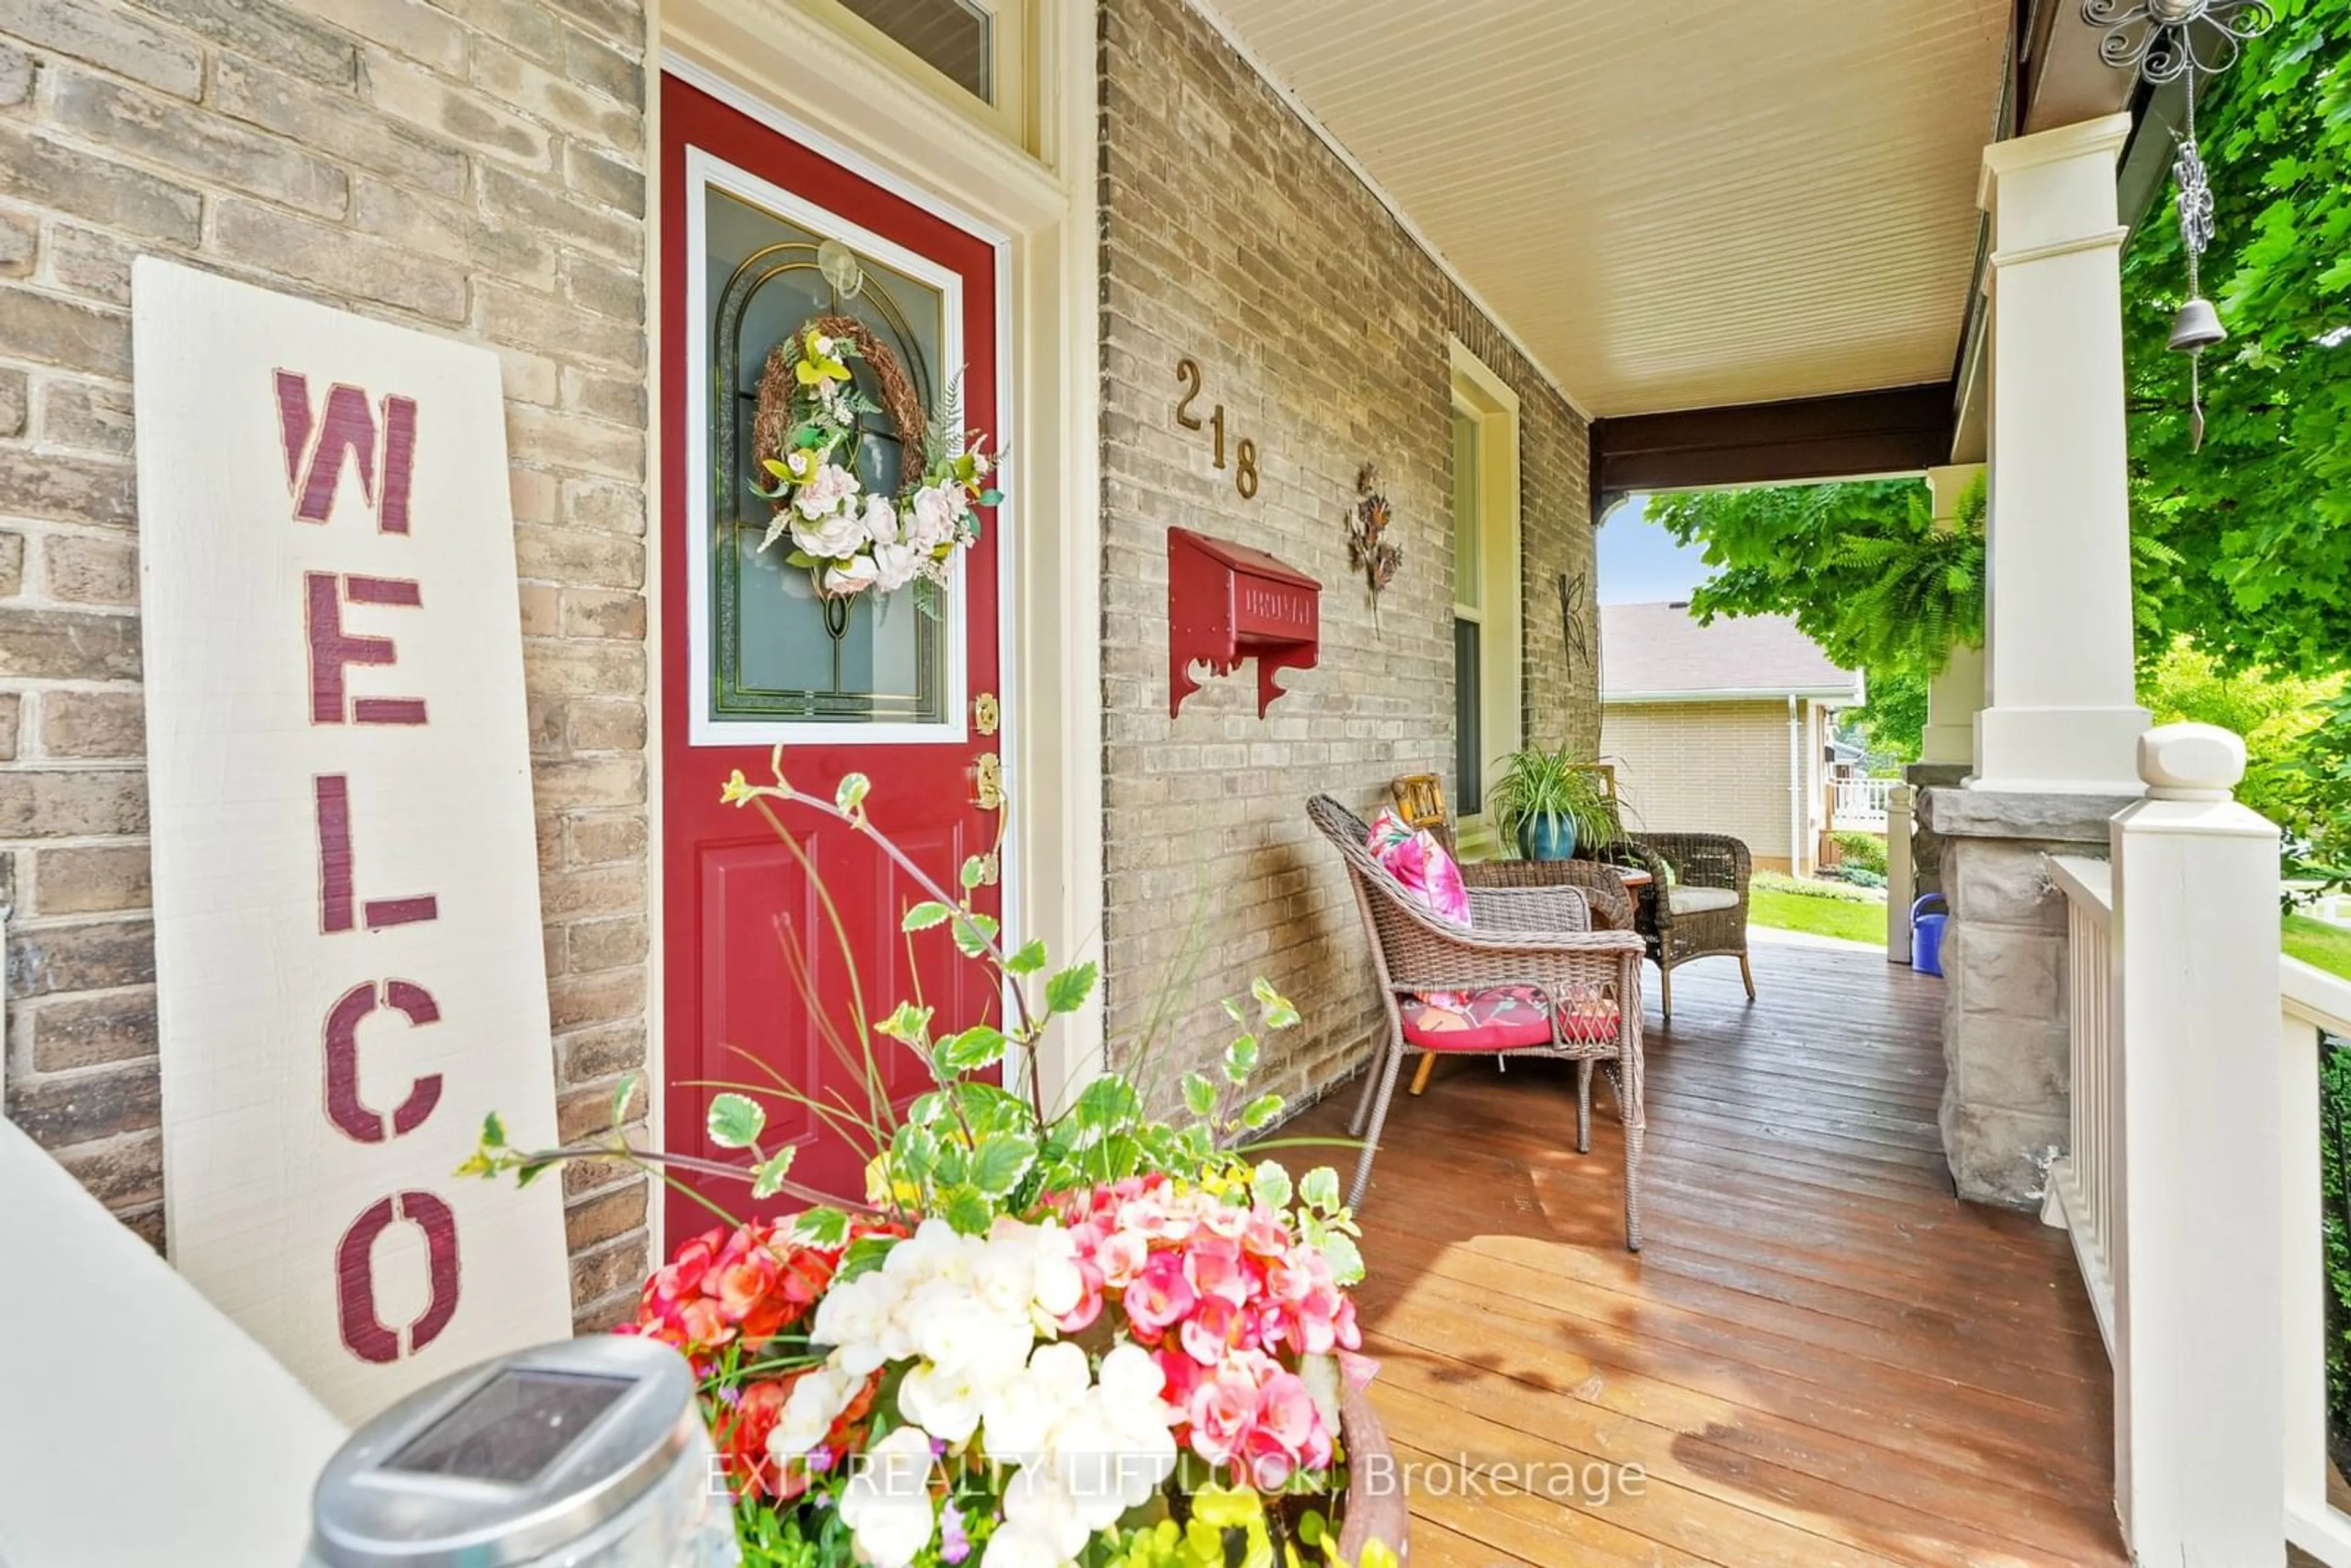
{"points": [[1547, 803]]}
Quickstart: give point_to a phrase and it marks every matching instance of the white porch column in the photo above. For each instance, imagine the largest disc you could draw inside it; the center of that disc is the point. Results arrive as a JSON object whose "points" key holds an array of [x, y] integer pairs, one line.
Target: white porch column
{"points": [[1957, 696], [2063, 715]]}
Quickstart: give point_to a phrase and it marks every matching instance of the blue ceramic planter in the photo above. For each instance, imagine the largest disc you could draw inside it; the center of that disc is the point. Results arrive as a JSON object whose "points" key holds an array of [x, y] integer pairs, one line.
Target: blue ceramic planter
{"points": [[1548, 837]]}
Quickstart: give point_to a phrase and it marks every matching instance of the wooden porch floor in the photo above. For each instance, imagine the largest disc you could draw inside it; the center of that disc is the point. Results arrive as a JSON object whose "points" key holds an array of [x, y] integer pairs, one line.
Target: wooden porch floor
{"points": [[1820, 1357]]}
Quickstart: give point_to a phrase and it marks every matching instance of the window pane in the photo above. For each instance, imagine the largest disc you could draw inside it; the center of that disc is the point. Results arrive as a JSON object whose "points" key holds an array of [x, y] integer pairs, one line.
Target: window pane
{"points": [[1468, 744], [1468, 528], [775, 651], [955, 38]]}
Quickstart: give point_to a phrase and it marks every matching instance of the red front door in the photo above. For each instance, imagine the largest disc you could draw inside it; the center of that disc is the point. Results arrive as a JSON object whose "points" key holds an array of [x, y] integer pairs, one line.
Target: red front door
{"points": [[759, 234]]}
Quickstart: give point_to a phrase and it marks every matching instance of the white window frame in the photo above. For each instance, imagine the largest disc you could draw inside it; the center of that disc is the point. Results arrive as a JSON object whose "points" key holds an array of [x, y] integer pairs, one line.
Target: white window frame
{"points": [[1485, 397], [705, 171]]}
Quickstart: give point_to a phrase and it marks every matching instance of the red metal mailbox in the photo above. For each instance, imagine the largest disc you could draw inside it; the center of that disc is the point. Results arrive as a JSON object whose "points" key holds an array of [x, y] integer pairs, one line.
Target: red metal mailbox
{"points": [[1227, 602]]}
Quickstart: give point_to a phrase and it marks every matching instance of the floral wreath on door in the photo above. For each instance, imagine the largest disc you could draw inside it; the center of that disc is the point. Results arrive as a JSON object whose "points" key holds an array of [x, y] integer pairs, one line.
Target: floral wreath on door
{"points": [[805, 436]]}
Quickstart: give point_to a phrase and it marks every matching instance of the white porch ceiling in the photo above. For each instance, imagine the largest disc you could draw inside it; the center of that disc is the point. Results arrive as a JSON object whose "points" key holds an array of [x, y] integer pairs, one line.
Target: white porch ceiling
{"points": [[1674, 203]]}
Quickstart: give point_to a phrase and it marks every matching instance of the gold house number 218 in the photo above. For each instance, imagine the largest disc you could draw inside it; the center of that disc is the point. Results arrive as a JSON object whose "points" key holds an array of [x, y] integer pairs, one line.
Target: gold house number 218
{"points": [[1243, 463]]}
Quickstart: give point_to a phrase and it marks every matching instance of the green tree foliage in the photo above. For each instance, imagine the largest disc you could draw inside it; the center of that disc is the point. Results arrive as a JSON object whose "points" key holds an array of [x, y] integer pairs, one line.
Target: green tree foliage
{"points": [[2262, 516], [1788, 550], [1893, 720], [2245, 547], [2277, 715]]}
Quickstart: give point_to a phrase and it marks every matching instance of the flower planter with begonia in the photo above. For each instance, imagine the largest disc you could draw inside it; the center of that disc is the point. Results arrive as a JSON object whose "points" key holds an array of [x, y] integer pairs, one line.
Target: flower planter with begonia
{"points": [[1078, 1339]]}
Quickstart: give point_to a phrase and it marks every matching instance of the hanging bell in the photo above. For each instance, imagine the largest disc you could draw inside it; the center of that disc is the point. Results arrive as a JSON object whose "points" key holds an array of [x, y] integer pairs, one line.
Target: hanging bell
{"points": [[2196, 327]]}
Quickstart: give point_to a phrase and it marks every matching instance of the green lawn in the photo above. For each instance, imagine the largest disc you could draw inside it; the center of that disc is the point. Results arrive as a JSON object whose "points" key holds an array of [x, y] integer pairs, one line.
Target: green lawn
{"points": [[1854, 921], [2319, 945]]}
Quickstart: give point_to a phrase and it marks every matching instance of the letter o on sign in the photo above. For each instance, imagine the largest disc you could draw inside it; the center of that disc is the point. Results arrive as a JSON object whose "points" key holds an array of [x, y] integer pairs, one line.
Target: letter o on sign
{"points": [[366, 1333]]}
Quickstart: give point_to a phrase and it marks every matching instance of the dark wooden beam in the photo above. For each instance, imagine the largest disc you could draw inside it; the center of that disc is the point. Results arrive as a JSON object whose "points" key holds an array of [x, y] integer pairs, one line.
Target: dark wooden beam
{"points": [[1896, 430]]}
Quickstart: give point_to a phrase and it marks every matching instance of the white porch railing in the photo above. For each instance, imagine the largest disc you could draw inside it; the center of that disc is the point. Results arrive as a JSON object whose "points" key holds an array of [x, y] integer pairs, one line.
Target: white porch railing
{"points": [[1859, 803], [2191, 1187], [2085, 1181], [2313, 1005]]}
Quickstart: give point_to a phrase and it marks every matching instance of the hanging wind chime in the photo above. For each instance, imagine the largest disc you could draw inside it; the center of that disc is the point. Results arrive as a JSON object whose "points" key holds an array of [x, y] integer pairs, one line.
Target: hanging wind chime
{"points": [[2163, 41]]}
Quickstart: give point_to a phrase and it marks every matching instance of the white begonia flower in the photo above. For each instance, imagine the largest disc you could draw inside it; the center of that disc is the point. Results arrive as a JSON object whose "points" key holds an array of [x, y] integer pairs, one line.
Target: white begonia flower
{"points": [[937, 1250], [1039, 1507], [858, 1318], [1022, 1411], [951, 1327], [1003, 1271], [946, 1402], [815, 1402], [1054, 1261], [887, 1503], [1020, 1546]]}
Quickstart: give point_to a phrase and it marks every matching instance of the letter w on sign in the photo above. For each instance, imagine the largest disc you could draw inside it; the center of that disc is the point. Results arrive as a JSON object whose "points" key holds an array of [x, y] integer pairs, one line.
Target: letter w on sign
{"points": [[350, 964]]}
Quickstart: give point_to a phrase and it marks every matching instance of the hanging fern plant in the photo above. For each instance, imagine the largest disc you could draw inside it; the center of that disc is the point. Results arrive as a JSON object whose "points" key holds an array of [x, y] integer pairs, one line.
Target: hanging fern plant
{"points": [[1923, 591]]}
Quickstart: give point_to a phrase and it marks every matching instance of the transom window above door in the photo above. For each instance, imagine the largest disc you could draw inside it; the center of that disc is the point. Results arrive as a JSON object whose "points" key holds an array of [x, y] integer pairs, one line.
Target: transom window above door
{"points": [[972, 54]]}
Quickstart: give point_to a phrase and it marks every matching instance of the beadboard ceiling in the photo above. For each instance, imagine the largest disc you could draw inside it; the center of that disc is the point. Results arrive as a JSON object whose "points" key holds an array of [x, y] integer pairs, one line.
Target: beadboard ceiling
{"points": [[1674, 203]]}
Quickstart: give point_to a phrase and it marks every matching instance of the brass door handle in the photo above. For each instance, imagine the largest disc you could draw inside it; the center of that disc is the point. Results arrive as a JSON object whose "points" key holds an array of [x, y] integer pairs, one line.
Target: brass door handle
{"points": [[987, 782]]}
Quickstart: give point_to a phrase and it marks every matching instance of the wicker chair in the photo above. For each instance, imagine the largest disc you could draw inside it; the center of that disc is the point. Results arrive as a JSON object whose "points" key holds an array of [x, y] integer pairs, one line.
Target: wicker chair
{"points": [[1535, 937], [1695, 906]]}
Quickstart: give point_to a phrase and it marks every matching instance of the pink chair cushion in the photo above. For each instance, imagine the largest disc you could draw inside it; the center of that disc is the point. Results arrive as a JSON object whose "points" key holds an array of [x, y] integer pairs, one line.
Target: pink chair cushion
{"points": [[1507, 1018]]}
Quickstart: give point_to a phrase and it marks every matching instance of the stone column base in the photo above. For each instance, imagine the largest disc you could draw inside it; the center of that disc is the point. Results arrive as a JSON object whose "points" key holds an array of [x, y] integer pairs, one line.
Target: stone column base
{"points": [[2005, 1111]]}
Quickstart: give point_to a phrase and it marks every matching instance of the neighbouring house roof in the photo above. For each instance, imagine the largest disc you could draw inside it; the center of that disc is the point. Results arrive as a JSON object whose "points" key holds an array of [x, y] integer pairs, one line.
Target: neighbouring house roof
{"points": [[1659, 653]]}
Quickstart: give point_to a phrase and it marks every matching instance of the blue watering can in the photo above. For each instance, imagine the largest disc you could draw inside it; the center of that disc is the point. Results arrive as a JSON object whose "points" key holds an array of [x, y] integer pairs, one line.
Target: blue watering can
{"points": [[1926, 935]]}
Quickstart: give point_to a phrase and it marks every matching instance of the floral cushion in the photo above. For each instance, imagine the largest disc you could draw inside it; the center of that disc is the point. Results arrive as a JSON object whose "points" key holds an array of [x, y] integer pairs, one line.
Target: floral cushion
{"points": [[1414, 858]]}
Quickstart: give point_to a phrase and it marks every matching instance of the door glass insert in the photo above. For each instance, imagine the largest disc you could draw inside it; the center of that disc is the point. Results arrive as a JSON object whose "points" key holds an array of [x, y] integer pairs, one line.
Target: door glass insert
{"points": [[778, 651], [955, 38]]}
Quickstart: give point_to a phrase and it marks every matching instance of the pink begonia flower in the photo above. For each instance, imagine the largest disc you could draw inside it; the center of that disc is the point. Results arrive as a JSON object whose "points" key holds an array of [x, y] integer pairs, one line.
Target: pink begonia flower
{"points": [[1213, 1266], [1159, 1297], [1215, 1329], [1183, 1376], [1225, 1220], [1264, 1236], [1090, 1299], [1315, 1320], [1121, 1257], [1223, 1410], [1358, 1370], [1288, 1280], [1288, 1433]]}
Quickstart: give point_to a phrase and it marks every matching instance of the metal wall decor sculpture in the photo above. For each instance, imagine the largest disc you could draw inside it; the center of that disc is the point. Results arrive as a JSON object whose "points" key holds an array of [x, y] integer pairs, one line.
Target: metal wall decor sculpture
{"points": [[1576, 627], [1369, 550], [2166, 41]]}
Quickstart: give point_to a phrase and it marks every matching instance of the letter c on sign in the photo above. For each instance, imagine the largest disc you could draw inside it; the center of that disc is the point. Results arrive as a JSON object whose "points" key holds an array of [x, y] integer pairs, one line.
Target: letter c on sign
{"points": [[368, 1335], [344, 1107]]}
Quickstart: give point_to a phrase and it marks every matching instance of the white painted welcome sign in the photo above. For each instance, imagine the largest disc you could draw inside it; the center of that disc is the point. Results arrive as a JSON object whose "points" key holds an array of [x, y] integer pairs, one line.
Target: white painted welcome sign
{"points": [[347, 946]]}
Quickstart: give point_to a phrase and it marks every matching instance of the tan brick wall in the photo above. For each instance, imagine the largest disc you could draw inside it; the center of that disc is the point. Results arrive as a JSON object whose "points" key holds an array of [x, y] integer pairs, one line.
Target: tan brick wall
{"points": [[1718, 768], [1232, 234], [470, 167]]}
